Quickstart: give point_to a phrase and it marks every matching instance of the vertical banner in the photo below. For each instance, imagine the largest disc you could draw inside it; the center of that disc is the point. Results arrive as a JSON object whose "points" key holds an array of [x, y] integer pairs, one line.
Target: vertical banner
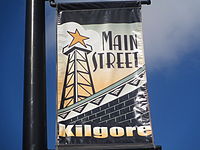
{"points": [[101, 77]]}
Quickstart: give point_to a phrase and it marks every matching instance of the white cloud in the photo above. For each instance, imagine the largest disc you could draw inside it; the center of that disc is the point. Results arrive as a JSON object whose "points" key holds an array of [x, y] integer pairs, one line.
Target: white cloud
{"points": [[170, 27]]}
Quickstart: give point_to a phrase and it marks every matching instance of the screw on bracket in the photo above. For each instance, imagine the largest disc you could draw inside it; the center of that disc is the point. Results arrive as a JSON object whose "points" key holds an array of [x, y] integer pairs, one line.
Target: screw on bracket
{"points": [[52, 3]]}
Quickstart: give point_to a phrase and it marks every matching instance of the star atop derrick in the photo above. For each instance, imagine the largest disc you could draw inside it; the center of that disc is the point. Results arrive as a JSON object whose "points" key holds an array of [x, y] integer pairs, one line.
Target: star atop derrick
{"points": [[77, 38]]}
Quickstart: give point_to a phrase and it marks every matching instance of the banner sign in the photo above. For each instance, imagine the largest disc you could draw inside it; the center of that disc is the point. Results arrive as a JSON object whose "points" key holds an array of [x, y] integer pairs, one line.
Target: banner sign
{"points": [[101, 76]]}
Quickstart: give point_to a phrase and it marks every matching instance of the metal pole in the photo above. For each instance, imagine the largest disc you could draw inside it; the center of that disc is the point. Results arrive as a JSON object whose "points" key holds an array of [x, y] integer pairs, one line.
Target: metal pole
{"points": [[34, 125]]}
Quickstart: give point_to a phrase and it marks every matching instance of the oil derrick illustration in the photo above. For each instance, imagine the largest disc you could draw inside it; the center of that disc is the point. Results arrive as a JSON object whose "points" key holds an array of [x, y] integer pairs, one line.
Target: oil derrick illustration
{"points": [[78, 83]]}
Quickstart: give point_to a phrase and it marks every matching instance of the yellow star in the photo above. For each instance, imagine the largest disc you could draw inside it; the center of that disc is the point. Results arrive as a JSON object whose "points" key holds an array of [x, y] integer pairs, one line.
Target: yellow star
{"points": [[77, 38]]}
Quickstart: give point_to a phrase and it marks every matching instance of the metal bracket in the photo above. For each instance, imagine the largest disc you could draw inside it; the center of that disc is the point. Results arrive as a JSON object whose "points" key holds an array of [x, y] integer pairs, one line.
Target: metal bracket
{"points": [[147, 2], [52, 3], [107, 147]]}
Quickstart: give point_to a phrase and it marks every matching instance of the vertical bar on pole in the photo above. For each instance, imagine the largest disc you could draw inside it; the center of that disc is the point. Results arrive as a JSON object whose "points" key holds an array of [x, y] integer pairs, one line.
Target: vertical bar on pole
{"points": [[34, 125]]}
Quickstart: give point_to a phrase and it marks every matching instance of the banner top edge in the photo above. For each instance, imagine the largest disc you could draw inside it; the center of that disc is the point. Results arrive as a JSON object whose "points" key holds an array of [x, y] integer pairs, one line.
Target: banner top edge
{"points": [[97, 5]]}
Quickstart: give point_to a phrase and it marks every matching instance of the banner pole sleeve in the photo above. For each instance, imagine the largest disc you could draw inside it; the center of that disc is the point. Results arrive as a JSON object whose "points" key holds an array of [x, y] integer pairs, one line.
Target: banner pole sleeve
{"points": [[143, 2]]}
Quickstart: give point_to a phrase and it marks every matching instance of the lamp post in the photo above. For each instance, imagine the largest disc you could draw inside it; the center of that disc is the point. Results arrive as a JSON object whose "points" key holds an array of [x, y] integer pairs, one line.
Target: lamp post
{"points": [[34, 123]]}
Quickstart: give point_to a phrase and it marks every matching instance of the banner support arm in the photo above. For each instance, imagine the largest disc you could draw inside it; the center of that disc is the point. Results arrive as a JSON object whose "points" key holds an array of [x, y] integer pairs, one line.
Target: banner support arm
{"points": [[147, 2], [143, 2]]}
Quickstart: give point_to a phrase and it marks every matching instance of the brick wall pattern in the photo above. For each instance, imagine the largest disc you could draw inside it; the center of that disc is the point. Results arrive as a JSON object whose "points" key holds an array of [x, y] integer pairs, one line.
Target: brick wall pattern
{"points": [[125, 105]]}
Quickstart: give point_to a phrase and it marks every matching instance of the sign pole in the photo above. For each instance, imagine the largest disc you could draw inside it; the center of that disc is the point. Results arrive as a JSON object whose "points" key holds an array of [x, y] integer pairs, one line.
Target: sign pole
{"points": [[34, 123]]}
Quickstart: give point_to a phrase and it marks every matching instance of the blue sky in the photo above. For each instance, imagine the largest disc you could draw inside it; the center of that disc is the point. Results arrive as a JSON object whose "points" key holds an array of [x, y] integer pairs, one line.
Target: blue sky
{"points": [[171, 34]]}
